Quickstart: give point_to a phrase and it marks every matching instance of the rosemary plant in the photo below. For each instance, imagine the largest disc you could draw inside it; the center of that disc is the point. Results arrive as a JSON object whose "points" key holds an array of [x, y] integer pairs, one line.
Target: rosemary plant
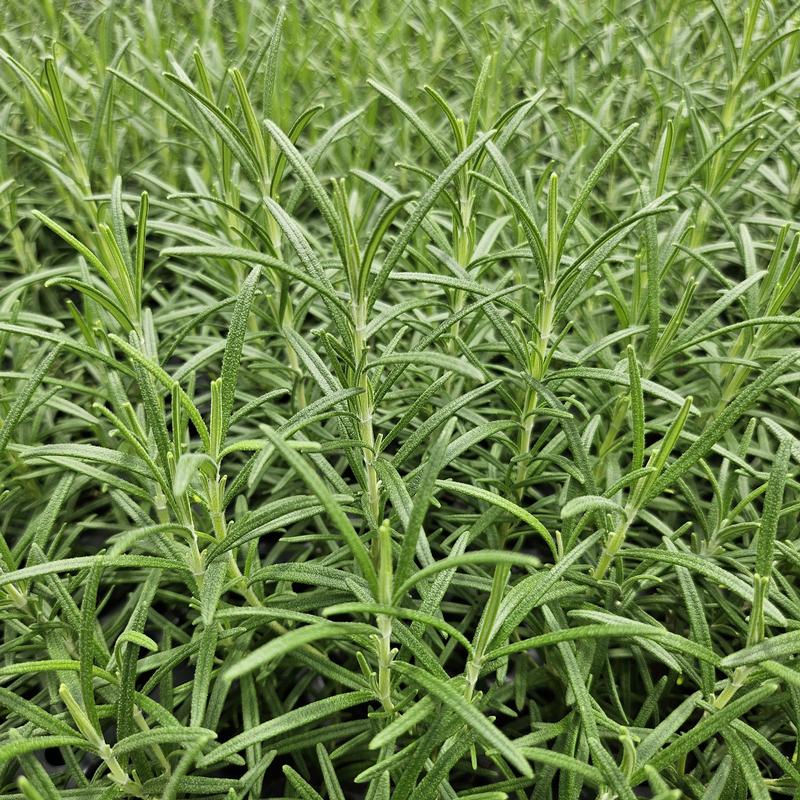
{"points": [[399, 402]]}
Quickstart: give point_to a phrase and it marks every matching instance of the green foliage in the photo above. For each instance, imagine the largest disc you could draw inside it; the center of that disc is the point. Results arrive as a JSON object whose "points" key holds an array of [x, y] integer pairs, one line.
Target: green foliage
{"points": [[399, 400]]}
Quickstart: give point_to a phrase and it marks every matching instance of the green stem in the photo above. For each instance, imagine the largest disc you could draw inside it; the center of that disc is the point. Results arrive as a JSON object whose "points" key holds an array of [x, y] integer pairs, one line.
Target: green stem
{"points": [[381, 543], [486, 629], [365, 413], [612, 546], [537, 367], [385, 592], [734, 684]]}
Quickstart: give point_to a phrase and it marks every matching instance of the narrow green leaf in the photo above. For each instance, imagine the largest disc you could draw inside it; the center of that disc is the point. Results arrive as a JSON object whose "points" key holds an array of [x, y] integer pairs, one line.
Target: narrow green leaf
{"points": [[235, 342], [292, 640], [334, 510], [706, 728], [305, 715], [24, 396], [422, 207], [486, 731], [502, 503]]}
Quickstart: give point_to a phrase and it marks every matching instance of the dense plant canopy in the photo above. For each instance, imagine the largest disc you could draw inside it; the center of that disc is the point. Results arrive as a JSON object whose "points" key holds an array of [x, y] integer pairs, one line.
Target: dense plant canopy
{"points": [[399, 400]]}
